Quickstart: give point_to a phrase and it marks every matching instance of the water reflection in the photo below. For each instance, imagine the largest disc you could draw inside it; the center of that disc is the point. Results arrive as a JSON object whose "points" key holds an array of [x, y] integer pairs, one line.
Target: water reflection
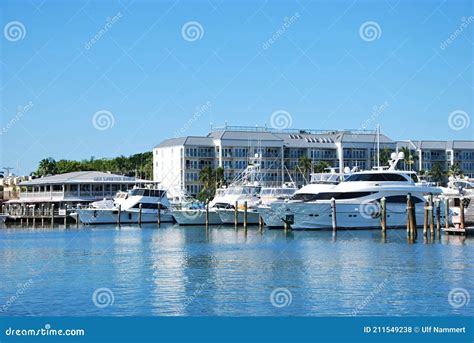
{"points": [[173, 270]]}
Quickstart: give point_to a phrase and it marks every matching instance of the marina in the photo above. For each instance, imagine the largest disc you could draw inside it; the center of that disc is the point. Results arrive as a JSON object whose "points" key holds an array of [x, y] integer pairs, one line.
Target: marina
{"points": [[191, 271]]}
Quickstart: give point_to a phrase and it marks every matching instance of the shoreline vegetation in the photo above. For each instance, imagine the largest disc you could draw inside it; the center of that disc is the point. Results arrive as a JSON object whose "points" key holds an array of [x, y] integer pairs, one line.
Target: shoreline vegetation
{"points": [[138, 165]]}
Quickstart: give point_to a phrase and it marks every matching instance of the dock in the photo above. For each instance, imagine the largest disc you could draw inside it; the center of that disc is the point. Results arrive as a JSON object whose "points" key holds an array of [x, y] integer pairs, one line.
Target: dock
{"points": [[459, 231]]}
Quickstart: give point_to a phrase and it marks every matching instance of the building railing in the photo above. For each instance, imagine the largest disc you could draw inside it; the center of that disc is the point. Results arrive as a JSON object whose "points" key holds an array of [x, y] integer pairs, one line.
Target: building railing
{"points": [[65, 195], [289, 131]]}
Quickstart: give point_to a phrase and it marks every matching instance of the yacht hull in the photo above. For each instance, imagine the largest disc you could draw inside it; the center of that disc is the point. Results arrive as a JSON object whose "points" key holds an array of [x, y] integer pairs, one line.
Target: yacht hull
{"points": [[110, 216], [271, 216], [349, 216], [228, 216], [196, 217]]}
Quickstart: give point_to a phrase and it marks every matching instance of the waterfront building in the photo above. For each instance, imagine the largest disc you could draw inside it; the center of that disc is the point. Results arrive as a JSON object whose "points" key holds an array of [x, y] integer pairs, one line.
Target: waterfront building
{"points": [[445, 153], [76, 188], [178, 161]]}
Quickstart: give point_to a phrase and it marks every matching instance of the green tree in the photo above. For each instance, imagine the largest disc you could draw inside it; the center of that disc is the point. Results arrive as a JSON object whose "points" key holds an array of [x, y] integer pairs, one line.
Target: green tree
{"points": [[410, 157], [437, 173], [305, 166], [47, 166], [211, 179], [321, 167], [385, 156], [455, 170]]}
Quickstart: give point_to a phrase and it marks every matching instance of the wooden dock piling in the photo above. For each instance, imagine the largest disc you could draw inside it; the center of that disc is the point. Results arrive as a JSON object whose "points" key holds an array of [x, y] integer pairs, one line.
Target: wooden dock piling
{"points": [[438, 217], [245, 214], [207, 213], [140, 214], [431, 215], [34, 216], [446, 213], [159, 214], [333, 214], [383, 214], [461, 213], [119, 214], [236, 214], [425, 219], [52, 214], [65, 216]]}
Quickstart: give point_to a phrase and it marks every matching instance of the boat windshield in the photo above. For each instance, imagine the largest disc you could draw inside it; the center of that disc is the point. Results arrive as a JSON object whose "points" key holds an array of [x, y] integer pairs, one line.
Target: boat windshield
{"points": [[157, 193], [324, 178], [371, 177]]}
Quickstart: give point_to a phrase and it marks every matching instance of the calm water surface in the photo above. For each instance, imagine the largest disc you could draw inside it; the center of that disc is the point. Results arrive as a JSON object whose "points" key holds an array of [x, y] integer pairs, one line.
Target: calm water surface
{"points": [[190, 271]]}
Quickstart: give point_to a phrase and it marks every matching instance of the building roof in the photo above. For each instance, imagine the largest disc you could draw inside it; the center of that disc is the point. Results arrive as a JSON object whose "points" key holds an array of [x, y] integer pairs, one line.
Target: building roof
{"points": [[82, 177], [189, 140], [438, 145]]}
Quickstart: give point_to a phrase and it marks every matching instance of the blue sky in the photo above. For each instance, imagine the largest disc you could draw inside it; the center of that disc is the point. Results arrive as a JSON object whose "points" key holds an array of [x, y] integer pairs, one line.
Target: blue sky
{"points": [[150, 75]]}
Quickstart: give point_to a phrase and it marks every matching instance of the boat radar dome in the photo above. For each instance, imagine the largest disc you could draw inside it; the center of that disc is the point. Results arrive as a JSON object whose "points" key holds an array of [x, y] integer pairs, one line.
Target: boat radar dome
{"points": [[347, 170]]}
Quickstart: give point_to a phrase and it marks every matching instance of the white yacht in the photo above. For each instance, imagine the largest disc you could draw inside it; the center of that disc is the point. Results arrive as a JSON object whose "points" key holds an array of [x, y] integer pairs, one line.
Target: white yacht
{"points": [[358, 201], [150, 200], [460, 189], [240, 194], [196, 214], [272, 209]]}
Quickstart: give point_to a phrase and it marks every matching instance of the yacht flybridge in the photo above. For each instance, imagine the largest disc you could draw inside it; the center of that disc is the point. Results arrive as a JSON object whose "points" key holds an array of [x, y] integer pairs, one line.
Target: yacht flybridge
{"points": [[358, 200], [140, 204]]}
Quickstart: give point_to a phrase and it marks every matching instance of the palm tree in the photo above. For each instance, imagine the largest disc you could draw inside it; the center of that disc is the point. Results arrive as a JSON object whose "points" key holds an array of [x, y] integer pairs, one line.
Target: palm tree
{"points": [[47, 166], [409, 158], [385, 156], [455, 170], [437, 173], [305, 166], [321, 167]]}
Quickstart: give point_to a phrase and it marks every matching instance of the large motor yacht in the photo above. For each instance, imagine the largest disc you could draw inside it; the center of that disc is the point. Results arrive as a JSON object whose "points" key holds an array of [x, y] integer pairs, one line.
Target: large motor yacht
{"points": [[358, 200], [149, 199], [272, 209]]}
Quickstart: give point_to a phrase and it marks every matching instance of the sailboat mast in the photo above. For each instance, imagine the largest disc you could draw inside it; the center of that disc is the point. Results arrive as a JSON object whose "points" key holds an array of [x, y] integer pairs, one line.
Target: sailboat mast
{"points": [[378, 146]]}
